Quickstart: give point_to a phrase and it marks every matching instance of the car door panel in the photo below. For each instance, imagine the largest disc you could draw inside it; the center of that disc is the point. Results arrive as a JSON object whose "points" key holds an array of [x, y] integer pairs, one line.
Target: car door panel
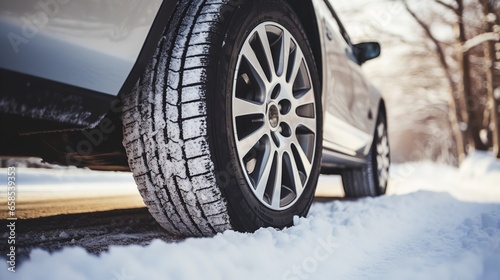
{"points": [[347, 96]]}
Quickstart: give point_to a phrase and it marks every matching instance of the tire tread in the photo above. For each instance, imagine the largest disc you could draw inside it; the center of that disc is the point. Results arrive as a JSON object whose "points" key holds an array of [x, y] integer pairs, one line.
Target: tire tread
{"points": [[165, 114]]}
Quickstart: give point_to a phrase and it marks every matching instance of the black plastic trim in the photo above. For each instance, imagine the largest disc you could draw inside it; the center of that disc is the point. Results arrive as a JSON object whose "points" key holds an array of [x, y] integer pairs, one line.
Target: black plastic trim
{"points": [[336, 160], [59, 106], [345, 35]]}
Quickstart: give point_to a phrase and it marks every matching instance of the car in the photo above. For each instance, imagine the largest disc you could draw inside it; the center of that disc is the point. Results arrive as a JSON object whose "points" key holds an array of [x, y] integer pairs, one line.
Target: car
{"points": [[225, 111]]}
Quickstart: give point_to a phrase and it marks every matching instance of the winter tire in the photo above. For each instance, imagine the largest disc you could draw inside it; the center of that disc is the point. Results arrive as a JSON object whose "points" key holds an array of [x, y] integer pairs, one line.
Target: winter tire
{"points": [[372, 178], [224, 129]]}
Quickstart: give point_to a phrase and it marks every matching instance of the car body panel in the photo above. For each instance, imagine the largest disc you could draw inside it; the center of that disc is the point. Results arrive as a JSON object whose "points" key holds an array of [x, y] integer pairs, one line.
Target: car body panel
{"points": [[98, 41], [350, 102]]}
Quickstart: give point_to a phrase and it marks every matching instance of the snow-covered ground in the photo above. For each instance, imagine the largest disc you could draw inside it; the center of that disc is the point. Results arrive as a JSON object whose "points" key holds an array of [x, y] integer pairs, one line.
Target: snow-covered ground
{"points": [[437, 222]]}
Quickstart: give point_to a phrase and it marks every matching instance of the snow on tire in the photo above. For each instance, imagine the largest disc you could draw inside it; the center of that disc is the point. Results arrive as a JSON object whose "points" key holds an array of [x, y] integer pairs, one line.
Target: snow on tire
{"points": [[178, 123]]}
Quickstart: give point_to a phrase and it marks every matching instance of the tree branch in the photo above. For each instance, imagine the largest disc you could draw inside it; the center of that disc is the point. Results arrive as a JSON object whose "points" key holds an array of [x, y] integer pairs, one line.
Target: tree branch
{"points": [[479, 39], [439, 49], [446, 5]]}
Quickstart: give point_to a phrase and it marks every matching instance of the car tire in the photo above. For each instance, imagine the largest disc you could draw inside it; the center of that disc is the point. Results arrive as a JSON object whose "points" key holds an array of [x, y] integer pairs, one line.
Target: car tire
{"points": [[190, 121], [372, 178]]}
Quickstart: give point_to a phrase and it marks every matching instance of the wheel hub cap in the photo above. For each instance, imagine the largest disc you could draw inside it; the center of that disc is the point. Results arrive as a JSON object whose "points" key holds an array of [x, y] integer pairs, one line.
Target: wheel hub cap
{"points": [[273, 115]]}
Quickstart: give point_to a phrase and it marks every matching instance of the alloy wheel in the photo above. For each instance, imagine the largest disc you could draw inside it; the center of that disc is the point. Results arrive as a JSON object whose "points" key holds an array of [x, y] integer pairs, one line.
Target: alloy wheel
{"points": [[383, 156], [274, 116]]}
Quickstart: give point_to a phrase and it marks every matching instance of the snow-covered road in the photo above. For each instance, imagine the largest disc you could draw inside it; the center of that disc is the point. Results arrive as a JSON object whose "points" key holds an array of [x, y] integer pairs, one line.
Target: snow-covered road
{"points": [[437, 222]]}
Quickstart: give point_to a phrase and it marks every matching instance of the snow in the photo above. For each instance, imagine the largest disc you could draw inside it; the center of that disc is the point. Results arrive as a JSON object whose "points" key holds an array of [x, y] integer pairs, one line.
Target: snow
{"points": [[64, 235], [437, 222]]}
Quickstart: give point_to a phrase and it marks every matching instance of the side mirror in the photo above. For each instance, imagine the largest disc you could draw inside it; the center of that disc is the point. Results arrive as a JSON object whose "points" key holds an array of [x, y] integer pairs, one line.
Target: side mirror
{"points": [[366, 51]]}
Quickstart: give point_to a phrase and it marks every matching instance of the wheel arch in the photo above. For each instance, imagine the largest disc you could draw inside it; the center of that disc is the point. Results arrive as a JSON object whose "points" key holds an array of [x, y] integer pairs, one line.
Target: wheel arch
{"points": [[381, 109], [307, 16], [160, 23]]}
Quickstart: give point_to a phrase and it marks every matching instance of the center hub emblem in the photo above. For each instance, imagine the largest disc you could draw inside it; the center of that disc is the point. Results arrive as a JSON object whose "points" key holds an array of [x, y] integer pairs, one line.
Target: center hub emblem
{"points": [[273, 115]]}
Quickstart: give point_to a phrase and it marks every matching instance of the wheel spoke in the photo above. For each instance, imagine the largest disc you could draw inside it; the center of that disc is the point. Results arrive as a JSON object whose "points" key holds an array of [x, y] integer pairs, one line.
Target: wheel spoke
{"points": [[384, 175], [264, 176], [243, 107], [308, 123], [379, 160], [284, 53], [303, 158], [257, 70], [297, 61], [267, 48], [386, 162], [380, 129], [380, 149], [276, 197], [306, 98], [249, 141], [296, 176], [383, 148]]}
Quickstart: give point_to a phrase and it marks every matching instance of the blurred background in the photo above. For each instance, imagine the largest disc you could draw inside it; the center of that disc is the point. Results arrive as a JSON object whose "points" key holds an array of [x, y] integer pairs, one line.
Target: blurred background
{"points": [[439, 73]]}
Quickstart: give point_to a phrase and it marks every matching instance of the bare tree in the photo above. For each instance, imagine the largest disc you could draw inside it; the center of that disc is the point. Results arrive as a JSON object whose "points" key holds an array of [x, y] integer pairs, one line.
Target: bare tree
{"points": [[470, 114], [492, 26], [436, 59], [418, 103], [458, 107]]}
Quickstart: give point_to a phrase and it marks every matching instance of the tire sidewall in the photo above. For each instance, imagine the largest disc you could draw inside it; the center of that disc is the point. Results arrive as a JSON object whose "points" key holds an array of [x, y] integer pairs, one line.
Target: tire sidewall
{"points": [[246, 211]]}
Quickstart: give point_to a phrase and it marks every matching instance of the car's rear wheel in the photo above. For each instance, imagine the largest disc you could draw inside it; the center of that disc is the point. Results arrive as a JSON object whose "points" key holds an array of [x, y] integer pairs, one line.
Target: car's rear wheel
{"points": [[223, 131], [373, 177]]}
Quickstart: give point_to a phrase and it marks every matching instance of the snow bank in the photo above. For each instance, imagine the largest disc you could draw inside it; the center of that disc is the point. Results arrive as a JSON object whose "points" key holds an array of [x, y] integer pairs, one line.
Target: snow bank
{"points": [[437, 223], [483, 167], [477, 180]]}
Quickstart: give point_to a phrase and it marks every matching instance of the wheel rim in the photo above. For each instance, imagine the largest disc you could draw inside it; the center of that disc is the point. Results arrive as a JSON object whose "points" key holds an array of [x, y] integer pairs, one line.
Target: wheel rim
{"points": [[274, 116], [383, 157]]}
